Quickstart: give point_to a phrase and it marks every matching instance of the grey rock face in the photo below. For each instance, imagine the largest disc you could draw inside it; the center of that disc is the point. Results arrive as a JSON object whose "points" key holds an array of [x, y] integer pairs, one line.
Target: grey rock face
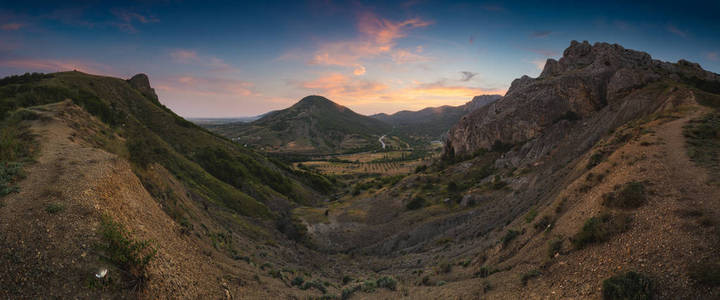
{"points": [[587, 79], [141, 82]]}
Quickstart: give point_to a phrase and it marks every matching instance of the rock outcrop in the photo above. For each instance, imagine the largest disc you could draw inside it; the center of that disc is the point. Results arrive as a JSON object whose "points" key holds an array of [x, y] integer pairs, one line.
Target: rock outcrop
{"points": [[588, 79], [141, 82]]}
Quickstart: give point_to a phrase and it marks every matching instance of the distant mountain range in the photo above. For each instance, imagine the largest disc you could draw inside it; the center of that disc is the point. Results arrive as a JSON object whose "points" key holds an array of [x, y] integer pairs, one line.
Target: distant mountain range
{"points": [[313, 125], [432, 122], [317, 125]]}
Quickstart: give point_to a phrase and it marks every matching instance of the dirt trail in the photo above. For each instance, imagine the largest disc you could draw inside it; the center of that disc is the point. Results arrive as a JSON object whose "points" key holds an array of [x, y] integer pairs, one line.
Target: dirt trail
{"points": [[56, 250]]}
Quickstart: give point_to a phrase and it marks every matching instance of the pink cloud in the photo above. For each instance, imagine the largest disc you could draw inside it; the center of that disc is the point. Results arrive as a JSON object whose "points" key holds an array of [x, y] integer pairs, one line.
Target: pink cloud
{"points": [[377, 38], [404, 57], [359, 70], [384, 31], [11, 26], [336, 85], [191, 57]]}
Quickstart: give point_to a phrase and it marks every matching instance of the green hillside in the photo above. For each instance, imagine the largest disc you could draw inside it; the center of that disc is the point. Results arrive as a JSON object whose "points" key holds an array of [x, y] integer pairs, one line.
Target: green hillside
{"points": [[313, 125], [216, 170]]}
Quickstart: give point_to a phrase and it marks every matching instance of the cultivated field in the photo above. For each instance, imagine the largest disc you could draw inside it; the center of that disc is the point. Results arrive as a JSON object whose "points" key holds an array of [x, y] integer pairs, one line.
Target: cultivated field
{"points": [[380, 163]]}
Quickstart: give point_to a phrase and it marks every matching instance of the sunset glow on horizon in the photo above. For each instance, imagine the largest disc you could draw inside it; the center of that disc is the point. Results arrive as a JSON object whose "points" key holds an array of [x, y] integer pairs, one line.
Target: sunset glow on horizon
{"points": [[242, 59]]}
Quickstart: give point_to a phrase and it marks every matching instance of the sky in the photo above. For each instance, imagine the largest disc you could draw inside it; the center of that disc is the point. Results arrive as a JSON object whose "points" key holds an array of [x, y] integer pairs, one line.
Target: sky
{"points": [[237, 58]]}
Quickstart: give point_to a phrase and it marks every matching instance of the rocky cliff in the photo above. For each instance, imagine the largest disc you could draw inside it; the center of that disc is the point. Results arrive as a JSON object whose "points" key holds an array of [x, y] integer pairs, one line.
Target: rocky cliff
{"points": [[590, 82]]}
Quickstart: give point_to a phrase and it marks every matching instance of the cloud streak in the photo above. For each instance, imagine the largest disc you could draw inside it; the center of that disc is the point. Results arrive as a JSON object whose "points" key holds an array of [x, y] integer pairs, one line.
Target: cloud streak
{"points": [[185, 56], [377, 38], [541, 34], [11, 26], [676, 31]]}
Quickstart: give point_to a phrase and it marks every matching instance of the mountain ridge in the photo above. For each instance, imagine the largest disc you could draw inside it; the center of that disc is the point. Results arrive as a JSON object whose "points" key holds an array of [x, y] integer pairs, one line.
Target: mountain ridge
{"points": [[314, 124]]}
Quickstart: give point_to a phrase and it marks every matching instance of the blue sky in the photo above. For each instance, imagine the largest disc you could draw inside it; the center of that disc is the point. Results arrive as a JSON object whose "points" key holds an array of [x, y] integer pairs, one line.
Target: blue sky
{"points": [[232, 58]]}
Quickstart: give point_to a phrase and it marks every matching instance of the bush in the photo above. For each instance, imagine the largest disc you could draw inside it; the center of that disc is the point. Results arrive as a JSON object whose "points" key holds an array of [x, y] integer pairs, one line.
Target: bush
{"points": [[347, 292], [601, 228], [368, 286], [509, 236], [54, 208], [707, 274], [416, 203], [629, 195], [529, 275], [554, 246], [387, 282], [314, 284], [630, 285], [595, 159], [485, 272], [127, 254], [297, 281], [530, 216], [545, 223], [346, 279], [446, 267]]}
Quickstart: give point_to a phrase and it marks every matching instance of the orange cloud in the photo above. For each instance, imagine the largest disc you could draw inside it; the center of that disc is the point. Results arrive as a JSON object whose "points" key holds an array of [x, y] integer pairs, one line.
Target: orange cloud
{"points": [[11, 26], [340, 86], [372, 97], [384, 31], [377, 38], [359, 70], [404, 57]]}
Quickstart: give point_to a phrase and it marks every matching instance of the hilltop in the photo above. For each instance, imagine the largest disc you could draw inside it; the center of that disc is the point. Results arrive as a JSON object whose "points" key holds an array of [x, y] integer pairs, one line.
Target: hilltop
{"points": [[313, 125]]}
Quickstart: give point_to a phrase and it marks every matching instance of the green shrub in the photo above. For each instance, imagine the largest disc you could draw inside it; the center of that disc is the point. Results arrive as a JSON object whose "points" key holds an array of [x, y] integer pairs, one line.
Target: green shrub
{"points": [[297, 281], [707, 274], [554, 246], [529, 275], [530, 216], [545, 223], [314, 284], [485, 272], [346, 279], [416, 203], [509, 237], [595, 159], [348, 292], [446, 267], [387, 282], [601, 228], [368, 286], [127, 254], [629, 195], [630, 285], [54, 208]]}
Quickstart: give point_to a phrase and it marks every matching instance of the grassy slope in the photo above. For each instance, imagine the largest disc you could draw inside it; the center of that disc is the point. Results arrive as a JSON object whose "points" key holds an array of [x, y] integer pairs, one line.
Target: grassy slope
{"points": [[214, 168]]}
